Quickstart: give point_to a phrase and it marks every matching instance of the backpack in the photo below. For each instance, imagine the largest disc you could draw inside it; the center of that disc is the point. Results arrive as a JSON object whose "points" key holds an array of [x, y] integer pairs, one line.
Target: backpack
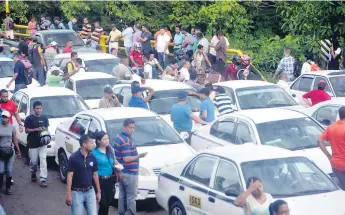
{"points": [[65, 70], [314, 67], [44, 138], [297, 68], [27, 72]]}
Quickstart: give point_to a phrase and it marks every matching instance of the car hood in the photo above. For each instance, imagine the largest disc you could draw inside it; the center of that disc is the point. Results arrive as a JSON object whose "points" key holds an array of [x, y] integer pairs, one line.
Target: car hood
{"points": [[318, 157], [53, 123], [83, 49], [165, 155], [92, 103], [295, 107], [318, 204], [4, 82]]}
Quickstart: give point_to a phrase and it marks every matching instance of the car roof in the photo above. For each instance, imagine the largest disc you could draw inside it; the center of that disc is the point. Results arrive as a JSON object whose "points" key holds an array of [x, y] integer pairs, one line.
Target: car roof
{"points": [[326, 73], [5, 59], [161, 85], [90, 75], [269, 114], [237, 84], [120, 113], [34, 92], [55, 31], [88, 56], [249, 152]]}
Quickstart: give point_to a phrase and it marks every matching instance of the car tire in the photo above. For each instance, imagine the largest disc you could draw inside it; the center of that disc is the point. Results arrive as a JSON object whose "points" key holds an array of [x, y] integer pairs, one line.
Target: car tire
{"points": [[63, 161], [177, 209]]}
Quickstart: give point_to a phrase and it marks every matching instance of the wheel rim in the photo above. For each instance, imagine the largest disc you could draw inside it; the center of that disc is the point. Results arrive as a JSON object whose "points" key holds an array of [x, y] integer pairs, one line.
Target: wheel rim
{"points": [[176, 211], [63, 166]]}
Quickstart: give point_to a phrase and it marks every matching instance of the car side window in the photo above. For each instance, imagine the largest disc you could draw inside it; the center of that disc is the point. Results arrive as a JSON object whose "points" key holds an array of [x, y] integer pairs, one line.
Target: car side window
{"points": [[79, 125], [23, 105], [69, 85], [201, 169], [93, 127], [64, 62], [295, 86], [125, 92], [224, 130], [316, 82], [326, 115], [227, 177], [243, 133], [305, 84], [17, 97]]}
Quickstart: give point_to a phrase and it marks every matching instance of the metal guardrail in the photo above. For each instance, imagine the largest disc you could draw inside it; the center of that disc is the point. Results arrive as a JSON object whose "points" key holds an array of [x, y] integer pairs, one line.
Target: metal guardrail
{"points": [[104, 46]]}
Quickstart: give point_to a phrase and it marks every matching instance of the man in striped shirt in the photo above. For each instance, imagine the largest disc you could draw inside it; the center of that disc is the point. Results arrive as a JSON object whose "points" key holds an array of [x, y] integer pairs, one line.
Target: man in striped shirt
{"points": [[222, 102], [96, 34], [86, 30], [126, 153]]}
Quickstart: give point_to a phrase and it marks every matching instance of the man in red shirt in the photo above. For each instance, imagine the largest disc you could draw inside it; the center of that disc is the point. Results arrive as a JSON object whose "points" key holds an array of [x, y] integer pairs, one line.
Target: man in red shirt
{"points": [[335, 134], [136, 56], [11, 107], [317, 96], [68, 48]]}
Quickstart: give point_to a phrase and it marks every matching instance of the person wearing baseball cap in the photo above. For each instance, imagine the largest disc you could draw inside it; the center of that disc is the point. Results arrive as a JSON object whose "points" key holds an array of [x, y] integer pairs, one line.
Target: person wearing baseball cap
{"points": [[109, 99], [137, 99], [8, 137], [318, 95], [207, 106], [182, 116], [50, 53]]}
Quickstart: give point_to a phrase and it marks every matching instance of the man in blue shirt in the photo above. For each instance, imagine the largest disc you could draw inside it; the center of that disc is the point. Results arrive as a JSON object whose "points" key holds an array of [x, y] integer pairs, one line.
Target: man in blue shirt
{"points": [[127, 154], [182, 116], [207, 106], [137, 99], [178, 39], [19, 74]]}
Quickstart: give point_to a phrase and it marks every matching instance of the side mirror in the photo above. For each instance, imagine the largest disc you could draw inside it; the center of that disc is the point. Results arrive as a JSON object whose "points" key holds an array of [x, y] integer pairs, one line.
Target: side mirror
{"points": [[22, 116], [184, 135], [232, 192]]}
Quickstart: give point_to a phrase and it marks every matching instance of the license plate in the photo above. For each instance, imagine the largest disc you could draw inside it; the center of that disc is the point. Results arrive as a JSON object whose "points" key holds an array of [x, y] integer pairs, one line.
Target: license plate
{"points": [[69, 147], [195, 201]]}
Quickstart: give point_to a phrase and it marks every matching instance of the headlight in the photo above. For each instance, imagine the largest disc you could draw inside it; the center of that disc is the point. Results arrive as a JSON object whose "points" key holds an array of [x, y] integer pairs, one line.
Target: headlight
{"points": [[143, 171]]}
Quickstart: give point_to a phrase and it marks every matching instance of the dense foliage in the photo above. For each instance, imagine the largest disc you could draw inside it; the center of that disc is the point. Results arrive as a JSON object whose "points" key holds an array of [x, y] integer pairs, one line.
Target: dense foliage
{"points": [[260, 28]]}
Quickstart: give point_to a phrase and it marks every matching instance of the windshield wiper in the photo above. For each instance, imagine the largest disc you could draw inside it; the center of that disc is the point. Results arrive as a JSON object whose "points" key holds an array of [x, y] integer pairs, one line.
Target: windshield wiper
{"points": [[308, 192], [156, 142], [278, 105], [304, 147]]}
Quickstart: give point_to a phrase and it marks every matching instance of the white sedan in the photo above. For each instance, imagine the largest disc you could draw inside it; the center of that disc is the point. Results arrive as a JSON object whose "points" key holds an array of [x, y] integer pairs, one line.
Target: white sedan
{"points": [[288, 129], [152, 135], [6, 73], [58, 104], [164, 98], [90, 86], [210, 182], [247, 94], [326, 112]]}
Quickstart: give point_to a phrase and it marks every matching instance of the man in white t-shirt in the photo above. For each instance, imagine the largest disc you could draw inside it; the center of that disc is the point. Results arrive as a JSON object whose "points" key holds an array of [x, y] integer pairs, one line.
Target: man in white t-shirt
{"points": [[183, 74], [162, 45], [213, 43], [283, 82]]}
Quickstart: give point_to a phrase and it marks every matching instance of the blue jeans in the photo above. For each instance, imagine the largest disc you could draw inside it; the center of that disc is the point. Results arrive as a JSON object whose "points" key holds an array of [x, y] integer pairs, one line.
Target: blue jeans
{"points": [[19, 87], [162, 59], [81, 200], [6, 167], [38, 74], [128, 188]]}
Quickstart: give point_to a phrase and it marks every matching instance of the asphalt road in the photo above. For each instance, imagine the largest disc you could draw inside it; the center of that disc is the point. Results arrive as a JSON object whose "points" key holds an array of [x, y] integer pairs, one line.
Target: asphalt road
{"points": [[29, 198]]}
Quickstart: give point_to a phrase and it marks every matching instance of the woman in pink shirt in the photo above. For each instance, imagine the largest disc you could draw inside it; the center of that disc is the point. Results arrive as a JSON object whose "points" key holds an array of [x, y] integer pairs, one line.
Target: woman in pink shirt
{"points": [[32, 26]]}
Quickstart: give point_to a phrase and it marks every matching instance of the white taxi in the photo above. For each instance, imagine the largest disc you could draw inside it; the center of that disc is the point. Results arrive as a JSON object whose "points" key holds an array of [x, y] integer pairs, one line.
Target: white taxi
{"points": [[164, 98], [152, 135], [90, 86], [288, 129], [58, 104], [6, 73], [248, 94], [210, 182]]}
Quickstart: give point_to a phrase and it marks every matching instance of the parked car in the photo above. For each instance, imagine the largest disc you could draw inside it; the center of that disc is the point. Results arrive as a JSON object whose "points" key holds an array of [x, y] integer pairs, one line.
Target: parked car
{"points": [[288, 129], [58, 104], [152, 135], [210, 182]]}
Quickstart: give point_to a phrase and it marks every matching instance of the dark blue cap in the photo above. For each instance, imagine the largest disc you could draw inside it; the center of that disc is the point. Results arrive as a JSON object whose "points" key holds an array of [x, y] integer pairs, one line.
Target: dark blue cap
{"points": [[136, 89], [182, 95]]}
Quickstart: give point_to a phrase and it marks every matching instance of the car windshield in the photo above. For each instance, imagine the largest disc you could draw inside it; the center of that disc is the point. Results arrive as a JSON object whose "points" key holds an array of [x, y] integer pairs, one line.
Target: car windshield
{"points": [[62, 38], [263, 97], [162, 101], [102, 65], [61, 106], [288, 177], [149, 131], [93, 88], [292, 134], [6, 69], [338, 84]]}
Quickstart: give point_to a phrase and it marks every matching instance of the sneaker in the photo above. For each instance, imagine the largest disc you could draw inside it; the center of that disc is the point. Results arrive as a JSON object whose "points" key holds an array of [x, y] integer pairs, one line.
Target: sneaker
{"points": [[33, 178], [43, 184], [12, 182], [8, 191]]}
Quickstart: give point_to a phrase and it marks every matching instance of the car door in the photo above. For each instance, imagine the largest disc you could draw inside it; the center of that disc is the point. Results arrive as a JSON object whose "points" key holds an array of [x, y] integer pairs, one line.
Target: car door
{"points": [[301, 86], [327, 114], [195, 182], [94, 127], [226, 178], [78, 127], [244, 133], [24, 111], [123, 94]]}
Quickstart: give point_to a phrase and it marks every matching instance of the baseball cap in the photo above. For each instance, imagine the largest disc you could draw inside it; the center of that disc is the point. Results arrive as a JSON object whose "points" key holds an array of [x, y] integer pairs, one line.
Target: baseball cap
{"points": [[6, 113], [53, 43], [135, 83], [182, 95], [108, 90], [136, 89], [219, 89], [205, 91], [321, 85]]}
